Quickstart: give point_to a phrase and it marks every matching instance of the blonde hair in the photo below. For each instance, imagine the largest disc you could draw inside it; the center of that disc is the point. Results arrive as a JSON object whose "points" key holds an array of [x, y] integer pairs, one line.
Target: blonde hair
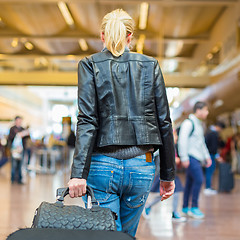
{"points": [[116, 26]]}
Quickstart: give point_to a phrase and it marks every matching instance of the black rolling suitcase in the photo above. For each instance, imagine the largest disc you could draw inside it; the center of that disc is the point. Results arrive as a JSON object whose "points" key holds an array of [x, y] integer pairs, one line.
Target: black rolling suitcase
{"points": [[226, 177], [63, 234], [55, 221]]}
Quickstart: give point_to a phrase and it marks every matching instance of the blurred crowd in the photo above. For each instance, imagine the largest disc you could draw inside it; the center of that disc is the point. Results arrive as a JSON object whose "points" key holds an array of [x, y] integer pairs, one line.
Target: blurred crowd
{"points": [[28, 155], [199, 152]]}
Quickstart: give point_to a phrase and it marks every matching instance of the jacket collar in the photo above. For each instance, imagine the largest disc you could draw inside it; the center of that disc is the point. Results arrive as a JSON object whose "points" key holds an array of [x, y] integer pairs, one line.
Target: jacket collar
{"points": [[126, 49]]}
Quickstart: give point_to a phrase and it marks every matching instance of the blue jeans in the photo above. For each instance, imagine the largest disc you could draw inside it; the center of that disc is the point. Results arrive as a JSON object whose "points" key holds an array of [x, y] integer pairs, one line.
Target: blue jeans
{"points": [[194, 180], [16, 168], [27, 152], [123, 186], [209, 172]]}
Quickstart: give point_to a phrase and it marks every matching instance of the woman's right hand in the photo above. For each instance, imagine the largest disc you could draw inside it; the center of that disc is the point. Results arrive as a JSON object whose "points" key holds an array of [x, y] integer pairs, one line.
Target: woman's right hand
{"points": [[77, 187]]}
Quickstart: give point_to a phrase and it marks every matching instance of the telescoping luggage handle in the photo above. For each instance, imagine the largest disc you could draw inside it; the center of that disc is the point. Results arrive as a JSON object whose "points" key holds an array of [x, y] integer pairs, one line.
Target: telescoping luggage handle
{"points": [[63, 192]]}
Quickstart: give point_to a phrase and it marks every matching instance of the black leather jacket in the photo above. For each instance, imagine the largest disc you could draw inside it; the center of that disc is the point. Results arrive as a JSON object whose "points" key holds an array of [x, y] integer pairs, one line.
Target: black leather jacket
{"points": [[122, 101]]}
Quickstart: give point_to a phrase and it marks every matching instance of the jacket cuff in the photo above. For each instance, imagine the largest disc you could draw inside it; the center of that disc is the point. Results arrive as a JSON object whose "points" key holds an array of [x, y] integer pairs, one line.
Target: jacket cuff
{"points": [[79, 173], [167, 175], [164, 180]]}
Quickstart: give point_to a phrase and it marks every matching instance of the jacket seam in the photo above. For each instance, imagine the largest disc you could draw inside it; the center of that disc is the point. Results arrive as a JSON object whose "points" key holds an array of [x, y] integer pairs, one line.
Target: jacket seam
{"points": [[129, 60], [144, 100]]}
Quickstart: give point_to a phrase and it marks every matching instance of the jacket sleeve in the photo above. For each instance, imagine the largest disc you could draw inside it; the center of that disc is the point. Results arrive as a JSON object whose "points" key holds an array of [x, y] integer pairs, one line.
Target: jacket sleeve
{"points": [[167, 149], [87, 123], [11, 136]]}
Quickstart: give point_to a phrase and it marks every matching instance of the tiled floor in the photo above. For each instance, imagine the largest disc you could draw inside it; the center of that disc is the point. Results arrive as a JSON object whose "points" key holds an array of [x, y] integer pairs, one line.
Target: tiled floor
{"points": [[222, 222]]}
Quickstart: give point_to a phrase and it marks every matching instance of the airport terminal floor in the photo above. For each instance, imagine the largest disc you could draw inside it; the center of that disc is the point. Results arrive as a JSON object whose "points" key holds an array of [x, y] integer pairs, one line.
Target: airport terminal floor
{"points": [[222, 211]]}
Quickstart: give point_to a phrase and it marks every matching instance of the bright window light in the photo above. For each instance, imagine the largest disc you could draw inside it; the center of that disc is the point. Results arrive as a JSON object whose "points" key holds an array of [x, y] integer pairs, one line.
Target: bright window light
{"points": [[57, 128], [59, 111]]}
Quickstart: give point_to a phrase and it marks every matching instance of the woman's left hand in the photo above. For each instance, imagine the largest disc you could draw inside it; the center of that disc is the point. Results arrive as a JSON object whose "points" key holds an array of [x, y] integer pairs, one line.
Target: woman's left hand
{"points": [[166, 189]]}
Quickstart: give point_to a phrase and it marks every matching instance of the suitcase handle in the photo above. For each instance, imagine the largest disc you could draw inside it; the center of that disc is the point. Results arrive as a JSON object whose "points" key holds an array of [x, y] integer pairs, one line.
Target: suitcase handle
{"points": [[65, 191]]}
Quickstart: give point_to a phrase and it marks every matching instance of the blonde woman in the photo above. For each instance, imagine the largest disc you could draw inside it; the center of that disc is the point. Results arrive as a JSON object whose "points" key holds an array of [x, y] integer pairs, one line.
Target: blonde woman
{"points": [[123, 118]]}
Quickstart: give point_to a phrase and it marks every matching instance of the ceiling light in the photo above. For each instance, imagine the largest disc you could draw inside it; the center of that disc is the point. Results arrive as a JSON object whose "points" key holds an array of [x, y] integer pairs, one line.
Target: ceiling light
{"points": [[36, 62], [209, 56], [218, 103], [83, 44], [70, 57], [14, 42], [174, 48], [43, 61], [169, 66], [143, 15], [140, 43], [176, 104], [1, 22], [28, 45], [216, 49], [66, 13]]}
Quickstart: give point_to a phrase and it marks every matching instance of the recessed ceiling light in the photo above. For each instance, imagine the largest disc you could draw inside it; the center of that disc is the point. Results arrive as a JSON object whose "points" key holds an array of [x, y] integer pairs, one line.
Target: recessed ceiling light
{"points": [[66, 13], [28, 45], [143, 15], [83, 44], [14, 42]]}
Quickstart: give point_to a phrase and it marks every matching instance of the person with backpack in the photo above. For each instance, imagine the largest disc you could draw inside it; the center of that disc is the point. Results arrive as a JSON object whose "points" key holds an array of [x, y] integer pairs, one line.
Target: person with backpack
{"points": [[194, 154]]}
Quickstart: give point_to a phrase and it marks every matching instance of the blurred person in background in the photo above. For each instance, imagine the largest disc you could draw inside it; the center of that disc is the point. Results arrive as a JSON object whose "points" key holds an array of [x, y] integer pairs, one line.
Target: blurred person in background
{"points": [[16, 150], [238, 152], [27, 146], [71, 145], [213, 141], [227, 166], [235, 150], [230, 150], [176, 216], [123, 118], [4, 153], [194, 154]]}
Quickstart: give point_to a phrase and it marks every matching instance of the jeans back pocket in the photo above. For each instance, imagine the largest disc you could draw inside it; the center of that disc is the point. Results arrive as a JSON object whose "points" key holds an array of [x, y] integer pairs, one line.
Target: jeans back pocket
{"points": [[101, 182], [139, 188]]}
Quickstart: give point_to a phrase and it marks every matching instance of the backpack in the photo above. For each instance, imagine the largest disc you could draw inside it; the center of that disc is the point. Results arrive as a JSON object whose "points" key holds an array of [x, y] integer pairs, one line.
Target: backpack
{"points": [[193, 128], [191, 133]]}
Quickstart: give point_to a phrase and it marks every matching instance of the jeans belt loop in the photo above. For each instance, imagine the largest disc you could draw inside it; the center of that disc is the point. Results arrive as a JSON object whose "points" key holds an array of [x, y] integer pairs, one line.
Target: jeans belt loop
{"points": [[148, 157]]}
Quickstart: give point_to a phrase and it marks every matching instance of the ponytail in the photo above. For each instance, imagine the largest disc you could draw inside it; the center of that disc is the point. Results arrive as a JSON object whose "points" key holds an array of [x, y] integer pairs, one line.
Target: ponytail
{"points": [[116, 25], [115, 37]]}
